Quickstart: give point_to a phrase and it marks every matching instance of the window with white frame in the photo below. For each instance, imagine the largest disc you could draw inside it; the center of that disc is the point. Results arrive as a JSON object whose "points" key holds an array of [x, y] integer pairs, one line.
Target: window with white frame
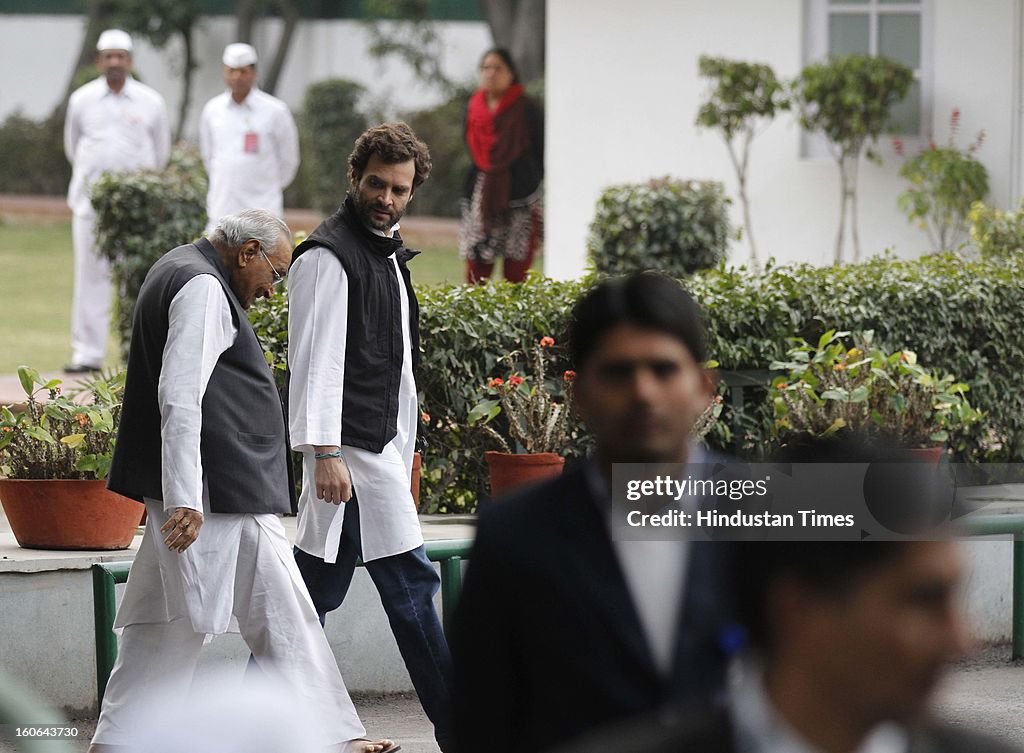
{"points": [[897, 29]]}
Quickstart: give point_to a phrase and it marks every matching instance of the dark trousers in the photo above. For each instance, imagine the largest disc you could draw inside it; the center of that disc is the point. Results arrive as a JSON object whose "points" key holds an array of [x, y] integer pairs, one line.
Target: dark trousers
{"points": [[406, 583]]}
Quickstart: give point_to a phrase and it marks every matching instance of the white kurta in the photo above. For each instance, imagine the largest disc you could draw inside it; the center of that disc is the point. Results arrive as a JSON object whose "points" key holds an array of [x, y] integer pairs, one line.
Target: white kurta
{"points": [[251, 152], [120, 131], [317, 329], [104, 130], [197, 584]]}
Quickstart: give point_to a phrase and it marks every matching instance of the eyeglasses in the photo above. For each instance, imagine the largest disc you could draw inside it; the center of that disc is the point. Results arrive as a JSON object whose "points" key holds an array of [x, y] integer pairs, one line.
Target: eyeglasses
{"points": [[278, 277]]}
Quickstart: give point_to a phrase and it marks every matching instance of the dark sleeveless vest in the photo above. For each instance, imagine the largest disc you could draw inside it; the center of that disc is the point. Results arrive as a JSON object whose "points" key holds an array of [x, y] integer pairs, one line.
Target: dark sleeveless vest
{"points": [[373, 345], [243, 446]]}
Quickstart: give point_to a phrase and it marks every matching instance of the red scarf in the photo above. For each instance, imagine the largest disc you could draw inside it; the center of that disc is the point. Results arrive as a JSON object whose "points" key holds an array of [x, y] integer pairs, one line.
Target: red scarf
{"points": [[495, 139]]}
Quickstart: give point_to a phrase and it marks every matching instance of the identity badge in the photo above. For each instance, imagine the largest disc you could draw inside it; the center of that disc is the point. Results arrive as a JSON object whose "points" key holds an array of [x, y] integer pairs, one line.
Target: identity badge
{"points": [[252, 143]]}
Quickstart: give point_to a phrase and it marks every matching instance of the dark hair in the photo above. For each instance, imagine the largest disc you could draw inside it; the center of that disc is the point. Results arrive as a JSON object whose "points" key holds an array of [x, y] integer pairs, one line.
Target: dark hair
{"points": [[648, 300], [831, 568], [392, 142], [506, 58]]}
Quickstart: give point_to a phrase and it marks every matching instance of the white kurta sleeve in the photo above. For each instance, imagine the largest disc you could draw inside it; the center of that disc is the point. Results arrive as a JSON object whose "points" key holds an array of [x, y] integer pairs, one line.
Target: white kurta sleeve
{"points": [[199, 330], [286, 142], [317, 330]]}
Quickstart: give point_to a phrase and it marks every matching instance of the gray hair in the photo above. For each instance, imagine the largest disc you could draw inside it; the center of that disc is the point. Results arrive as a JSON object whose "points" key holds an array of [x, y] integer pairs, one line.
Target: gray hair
{"points": [[251, 224]]}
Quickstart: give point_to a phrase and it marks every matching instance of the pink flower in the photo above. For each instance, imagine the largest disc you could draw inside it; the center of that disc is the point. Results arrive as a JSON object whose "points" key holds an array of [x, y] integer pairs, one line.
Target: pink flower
{"points": [[425, 417], [547, 342], [569, 376], [897, 145], [496, 382], [515, 380]]}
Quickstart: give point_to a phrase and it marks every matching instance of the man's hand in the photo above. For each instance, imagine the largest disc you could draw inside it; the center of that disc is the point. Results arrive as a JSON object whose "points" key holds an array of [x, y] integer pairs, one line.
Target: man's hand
{"points": [[333, 481], [182, 528]]}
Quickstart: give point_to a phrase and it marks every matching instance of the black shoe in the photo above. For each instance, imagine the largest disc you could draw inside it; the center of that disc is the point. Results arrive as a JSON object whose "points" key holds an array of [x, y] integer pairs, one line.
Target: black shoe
{"points": [[80, 368]]}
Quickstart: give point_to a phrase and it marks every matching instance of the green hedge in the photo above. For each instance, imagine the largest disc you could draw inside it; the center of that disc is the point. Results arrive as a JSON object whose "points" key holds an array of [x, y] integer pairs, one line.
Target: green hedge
{"points": [[330, 123], [32, 156], [141, 216], [960, 317]]}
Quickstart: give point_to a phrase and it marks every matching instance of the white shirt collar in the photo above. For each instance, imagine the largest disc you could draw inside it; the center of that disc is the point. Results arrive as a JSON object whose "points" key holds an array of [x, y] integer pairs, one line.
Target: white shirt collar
{"points": [[126, 90], [760, 729]]}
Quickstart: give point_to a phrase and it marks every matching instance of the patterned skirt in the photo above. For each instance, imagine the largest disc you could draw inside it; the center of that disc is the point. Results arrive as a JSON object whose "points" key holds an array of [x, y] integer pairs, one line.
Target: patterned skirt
{"points": [[516, 240]]}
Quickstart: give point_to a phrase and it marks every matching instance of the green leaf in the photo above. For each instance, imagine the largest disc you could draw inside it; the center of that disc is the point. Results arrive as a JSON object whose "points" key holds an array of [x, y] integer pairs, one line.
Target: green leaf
{"points": [[38, 432], [73, 440]]}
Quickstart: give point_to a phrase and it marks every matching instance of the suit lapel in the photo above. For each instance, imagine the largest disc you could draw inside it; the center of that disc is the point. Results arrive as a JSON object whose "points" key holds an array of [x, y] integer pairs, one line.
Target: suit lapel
{"points": [[595, 569]]}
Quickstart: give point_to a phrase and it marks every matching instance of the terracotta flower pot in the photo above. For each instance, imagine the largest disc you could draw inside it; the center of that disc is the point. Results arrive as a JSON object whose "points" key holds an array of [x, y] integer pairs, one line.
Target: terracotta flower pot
{"points": [[414, 486], [931, 455], [508, 470], [68, 514]]}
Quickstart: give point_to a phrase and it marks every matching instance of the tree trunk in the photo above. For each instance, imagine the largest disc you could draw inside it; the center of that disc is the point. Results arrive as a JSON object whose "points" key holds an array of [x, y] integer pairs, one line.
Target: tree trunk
{"points": [[186, 82], [852, 192], [519, 26], [842, 210], [291, 14], [246, 14]]}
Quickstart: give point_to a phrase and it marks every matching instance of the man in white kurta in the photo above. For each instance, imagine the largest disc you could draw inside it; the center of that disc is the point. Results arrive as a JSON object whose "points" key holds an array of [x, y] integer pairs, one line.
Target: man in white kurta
{"points": [[113, 123], [248, 142], [355, 499], [237, 573]]}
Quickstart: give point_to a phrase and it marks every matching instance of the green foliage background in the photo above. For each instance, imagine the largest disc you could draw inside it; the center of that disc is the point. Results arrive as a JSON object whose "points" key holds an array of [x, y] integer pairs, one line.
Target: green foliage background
{"points": [[959, 317]]}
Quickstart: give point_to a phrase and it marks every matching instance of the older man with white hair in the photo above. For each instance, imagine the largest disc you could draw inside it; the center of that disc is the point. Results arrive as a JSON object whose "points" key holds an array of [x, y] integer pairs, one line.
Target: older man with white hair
{"points": [[248, 141], [202, 443], [113, 123]]}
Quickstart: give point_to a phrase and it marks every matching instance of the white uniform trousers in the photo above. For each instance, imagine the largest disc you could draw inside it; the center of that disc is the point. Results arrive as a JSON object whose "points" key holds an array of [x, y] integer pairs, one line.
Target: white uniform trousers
{"points": [[276, 621], [91, 300]]}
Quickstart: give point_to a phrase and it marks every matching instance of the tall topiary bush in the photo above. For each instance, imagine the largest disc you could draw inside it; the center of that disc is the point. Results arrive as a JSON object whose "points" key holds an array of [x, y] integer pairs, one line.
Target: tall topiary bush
{"points": [[331, 122], [743, 98], [848, 99], [673, 226], [141, 216]]}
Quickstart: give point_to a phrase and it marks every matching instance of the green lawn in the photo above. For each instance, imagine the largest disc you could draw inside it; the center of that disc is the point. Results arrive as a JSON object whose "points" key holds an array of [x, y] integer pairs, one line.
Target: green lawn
{"points": [[36, 264]]}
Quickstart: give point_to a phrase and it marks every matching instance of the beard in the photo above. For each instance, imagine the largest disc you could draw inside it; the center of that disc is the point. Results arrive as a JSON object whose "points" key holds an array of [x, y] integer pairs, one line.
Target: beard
{"points": [[367, 209]]}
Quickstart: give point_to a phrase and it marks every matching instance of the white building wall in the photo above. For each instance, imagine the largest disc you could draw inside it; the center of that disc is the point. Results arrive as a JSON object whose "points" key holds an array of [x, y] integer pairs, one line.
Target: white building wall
{"points": [[623, 92], [34, 81]]}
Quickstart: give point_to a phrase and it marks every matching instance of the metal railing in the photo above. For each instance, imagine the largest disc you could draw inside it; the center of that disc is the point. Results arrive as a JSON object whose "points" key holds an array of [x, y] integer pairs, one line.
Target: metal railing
{"points": [[106, 575]]}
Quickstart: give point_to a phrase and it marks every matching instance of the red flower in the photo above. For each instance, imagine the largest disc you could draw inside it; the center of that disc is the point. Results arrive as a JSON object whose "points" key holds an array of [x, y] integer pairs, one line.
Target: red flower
{"points": [[515, 380], [547, 342], [897, 145], [496, 382], [954, 118], [569, 376]]}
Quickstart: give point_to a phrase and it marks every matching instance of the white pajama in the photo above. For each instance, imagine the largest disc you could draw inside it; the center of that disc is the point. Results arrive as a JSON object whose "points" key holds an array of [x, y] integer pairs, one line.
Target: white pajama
{"points": [[92, 297], [273, 614]]}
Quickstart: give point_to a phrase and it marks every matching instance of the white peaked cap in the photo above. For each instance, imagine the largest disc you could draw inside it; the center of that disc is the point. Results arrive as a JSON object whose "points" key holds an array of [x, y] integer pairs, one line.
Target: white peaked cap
{"points": [[114, 39], [239, 55]]}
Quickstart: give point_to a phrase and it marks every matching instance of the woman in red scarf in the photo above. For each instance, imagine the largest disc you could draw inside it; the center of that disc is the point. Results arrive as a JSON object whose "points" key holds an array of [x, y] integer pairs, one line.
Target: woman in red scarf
{"points": [[501, 208]]}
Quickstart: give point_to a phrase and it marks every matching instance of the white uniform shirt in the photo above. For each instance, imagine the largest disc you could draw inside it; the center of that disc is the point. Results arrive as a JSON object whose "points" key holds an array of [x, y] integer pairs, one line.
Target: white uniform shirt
{"points": [[317, 329], [251, 152], [117, 132], [197, 584]]}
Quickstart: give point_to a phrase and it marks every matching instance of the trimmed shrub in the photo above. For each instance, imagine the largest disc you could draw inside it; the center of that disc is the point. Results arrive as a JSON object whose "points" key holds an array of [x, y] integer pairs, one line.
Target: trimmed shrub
{"points": [[672, 226], [330, 124], [32, 156], [959, 317], [141, 216]]}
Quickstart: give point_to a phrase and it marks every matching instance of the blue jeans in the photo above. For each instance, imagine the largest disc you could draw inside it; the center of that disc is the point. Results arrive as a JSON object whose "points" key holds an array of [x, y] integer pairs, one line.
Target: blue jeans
{"points": [[406, 583]]}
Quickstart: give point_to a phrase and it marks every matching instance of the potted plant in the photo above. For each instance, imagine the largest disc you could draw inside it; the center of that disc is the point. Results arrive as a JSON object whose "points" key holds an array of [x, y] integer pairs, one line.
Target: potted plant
{"points": [[54, 456], [537, 414], [831, 387]]}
